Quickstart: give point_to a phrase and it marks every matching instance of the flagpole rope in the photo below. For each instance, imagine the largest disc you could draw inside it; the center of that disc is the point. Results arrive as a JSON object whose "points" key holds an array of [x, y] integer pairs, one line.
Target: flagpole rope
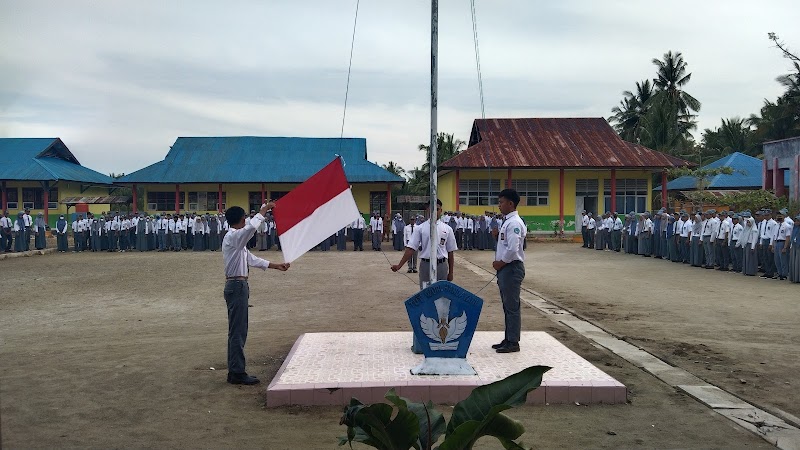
{"points": [[349, 69]]}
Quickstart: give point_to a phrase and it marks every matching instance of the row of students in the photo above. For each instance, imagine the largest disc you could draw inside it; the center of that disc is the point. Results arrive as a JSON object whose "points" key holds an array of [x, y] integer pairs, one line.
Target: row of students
{"points": [[746, 242]]}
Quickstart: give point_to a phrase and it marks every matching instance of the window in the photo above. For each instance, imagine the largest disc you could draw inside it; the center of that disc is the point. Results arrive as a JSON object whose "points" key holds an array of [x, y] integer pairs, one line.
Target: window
{"points": [[163, 201], [52, 198], [254, 200], [586, 187], [532, 192], [12, 198], [377, 202], [275, 195], [631, 195], [205, 201], [33, 198], [478, 192]]}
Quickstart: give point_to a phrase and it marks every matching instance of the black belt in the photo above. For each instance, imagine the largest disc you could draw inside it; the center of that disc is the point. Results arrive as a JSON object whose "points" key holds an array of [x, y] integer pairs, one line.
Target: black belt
{"points": [[438, 260]]}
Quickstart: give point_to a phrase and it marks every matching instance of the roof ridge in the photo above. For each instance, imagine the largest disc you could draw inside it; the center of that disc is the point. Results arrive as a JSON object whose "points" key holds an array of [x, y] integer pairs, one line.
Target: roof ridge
{"points": [[43, 166]]}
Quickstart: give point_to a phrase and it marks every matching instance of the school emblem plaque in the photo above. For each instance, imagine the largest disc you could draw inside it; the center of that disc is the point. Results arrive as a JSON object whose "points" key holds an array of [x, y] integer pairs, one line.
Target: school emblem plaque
{"points": [[444, 317]]}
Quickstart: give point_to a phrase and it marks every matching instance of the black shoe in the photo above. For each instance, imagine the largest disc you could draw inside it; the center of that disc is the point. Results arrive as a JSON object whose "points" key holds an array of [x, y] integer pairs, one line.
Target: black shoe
{"points": [[510, 347], [409, 271], [242, 378], [500, 345]]}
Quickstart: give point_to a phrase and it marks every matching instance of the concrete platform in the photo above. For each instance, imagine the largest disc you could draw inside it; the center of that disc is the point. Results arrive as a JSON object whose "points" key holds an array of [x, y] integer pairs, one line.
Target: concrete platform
{"points": [[329, 368]]}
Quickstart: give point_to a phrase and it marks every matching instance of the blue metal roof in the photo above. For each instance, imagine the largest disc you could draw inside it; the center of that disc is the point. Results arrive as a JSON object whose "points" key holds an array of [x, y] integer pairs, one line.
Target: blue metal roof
{"points": [[43, 159], [252, 159], [748, 174]]}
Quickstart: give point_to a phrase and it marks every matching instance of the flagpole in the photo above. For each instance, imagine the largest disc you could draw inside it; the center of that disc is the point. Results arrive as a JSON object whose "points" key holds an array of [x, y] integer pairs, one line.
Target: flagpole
{"points": [[432, 163]]}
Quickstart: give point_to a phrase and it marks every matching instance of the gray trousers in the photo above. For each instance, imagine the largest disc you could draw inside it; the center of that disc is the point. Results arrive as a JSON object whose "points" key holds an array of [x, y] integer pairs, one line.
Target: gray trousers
{"points": [[412, 262], [781, 259], [237, 294], [709, 250], [376, 240], [509, 280]]}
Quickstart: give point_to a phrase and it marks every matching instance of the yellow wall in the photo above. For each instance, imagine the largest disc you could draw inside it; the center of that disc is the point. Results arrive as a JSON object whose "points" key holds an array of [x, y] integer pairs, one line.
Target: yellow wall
{"points": [[65, 189], [448, 191], [237, 194]]}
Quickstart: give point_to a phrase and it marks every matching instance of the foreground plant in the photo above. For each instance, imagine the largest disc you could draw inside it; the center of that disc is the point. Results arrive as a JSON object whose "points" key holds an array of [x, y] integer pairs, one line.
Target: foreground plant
{"points": [[420, 426]]}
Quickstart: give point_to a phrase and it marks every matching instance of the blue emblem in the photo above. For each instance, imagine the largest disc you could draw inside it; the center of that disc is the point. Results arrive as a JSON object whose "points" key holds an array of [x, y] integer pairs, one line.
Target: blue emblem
{"points": [[444, 317]]}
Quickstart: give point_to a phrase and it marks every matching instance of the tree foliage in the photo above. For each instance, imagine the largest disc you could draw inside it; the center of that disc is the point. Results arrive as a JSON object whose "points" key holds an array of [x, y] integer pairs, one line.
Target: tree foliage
{"points": [[663, 116], [660, 115]]}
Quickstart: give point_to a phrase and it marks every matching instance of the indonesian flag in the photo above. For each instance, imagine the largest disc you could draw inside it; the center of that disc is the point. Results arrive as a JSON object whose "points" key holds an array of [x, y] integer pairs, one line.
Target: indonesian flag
{"points": [[314, 211]]}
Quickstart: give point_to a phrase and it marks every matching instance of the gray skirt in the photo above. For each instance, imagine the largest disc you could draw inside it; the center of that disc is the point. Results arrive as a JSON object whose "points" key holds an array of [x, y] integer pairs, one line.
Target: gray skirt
{"points": [[794, 263], [696, 251], [750, 263]]}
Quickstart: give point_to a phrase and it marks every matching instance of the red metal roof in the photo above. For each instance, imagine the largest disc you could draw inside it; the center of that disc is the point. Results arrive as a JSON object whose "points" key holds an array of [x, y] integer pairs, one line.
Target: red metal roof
{"points": [[554, 143]]}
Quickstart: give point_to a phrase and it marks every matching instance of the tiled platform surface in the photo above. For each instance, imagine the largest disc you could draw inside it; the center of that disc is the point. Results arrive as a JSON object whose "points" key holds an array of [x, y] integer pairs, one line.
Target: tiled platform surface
{"points": [[329, 368]]}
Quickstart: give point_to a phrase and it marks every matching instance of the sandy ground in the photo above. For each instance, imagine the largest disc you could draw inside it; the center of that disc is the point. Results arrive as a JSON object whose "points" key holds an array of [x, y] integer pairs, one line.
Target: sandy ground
{"points": [[114, 350]]}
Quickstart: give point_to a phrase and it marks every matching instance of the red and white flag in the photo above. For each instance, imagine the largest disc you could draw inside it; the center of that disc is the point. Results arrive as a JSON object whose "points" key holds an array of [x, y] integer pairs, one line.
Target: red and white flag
{"points": [[314, 210]]}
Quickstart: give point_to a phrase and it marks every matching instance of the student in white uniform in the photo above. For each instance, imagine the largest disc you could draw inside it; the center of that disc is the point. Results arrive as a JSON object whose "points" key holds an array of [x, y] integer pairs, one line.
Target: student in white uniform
{"points": [[408, 231], [238, 260], [509, 262], [445, 260]]}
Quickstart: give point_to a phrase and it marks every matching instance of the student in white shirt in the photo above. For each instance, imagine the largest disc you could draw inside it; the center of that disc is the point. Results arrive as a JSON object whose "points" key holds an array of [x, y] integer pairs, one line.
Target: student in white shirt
{"points": [[443, 254], [408, 230], [238, 259], [6, 227], [509, 262], [358, 226]]}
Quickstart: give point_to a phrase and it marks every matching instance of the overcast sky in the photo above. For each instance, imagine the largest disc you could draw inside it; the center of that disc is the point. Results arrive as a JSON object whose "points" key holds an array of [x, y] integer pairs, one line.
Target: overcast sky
{"points": [[119, 81]]}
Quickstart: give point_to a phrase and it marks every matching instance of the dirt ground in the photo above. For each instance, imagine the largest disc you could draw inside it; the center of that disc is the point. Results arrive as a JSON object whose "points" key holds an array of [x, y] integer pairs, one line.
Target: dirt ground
{"points": [[114, 350]]}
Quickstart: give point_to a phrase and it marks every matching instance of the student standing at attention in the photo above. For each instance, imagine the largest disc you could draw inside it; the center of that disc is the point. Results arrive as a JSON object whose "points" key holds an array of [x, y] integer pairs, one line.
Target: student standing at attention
{"points": [[510, 266], [238, 260]]}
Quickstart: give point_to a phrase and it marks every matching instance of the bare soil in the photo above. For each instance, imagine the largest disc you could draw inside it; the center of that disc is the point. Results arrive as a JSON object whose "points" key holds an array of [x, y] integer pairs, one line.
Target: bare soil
{"points": [[115, 350]]}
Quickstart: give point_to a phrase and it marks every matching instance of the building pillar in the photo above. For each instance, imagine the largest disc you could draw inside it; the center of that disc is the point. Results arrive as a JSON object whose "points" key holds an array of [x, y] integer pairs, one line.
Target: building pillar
{"points": [[767, 174], [664, 189], [46, 196], [796, 177], [219, 202], [177, 198], [388, 201], [777, 178], [458, 189], [4, 200], [561, 196], [135, 199], [508, 179], [613, 190], [263, 193]]}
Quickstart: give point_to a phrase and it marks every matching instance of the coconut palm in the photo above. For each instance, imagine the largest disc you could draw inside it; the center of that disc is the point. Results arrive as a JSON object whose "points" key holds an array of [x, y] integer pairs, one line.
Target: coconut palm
{"points": [[629, 115], [671, 78]]}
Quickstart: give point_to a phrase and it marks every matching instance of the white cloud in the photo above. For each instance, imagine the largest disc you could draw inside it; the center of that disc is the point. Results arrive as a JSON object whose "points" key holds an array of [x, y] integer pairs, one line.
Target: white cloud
{"points": [[119, 81]]}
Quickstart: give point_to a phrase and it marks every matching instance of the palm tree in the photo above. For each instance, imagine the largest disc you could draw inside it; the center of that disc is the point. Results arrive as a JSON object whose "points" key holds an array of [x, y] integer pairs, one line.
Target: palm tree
{"points": [[630, 113], [447, 146], [394, 168], [670, 80], [733, 135]]}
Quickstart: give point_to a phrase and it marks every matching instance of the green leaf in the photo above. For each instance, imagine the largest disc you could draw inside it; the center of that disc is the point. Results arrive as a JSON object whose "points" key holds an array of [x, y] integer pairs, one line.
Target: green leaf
{"points": [[480, 414], [511, 391], [431, 422], [511, 445]]}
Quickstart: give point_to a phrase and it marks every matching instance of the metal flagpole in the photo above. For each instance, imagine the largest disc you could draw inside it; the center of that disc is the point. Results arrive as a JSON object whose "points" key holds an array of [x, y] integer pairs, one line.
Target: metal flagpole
{"points": [[432, 163]]}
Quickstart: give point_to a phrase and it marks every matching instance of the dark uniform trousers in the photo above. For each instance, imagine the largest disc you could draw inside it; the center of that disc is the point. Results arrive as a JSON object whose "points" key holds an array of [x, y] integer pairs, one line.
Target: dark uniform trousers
{"points": [[509, 280], [237, 294]]}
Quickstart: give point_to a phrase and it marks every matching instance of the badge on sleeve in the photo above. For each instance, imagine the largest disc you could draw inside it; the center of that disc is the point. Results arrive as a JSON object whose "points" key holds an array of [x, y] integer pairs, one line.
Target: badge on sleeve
{"points": [[516, 230]]}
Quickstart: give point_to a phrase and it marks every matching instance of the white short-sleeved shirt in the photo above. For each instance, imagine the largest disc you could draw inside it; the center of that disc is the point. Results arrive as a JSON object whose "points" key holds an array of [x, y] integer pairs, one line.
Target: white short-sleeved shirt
{"points": [[420, 239], [511, 239]]}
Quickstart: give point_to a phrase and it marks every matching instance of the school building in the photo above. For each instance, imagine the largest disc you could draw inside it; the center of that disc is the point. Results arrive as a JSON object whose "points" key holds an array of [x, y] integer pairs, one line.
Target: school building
{"points": [[247, 170], [560, 167], [41, 173]]}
